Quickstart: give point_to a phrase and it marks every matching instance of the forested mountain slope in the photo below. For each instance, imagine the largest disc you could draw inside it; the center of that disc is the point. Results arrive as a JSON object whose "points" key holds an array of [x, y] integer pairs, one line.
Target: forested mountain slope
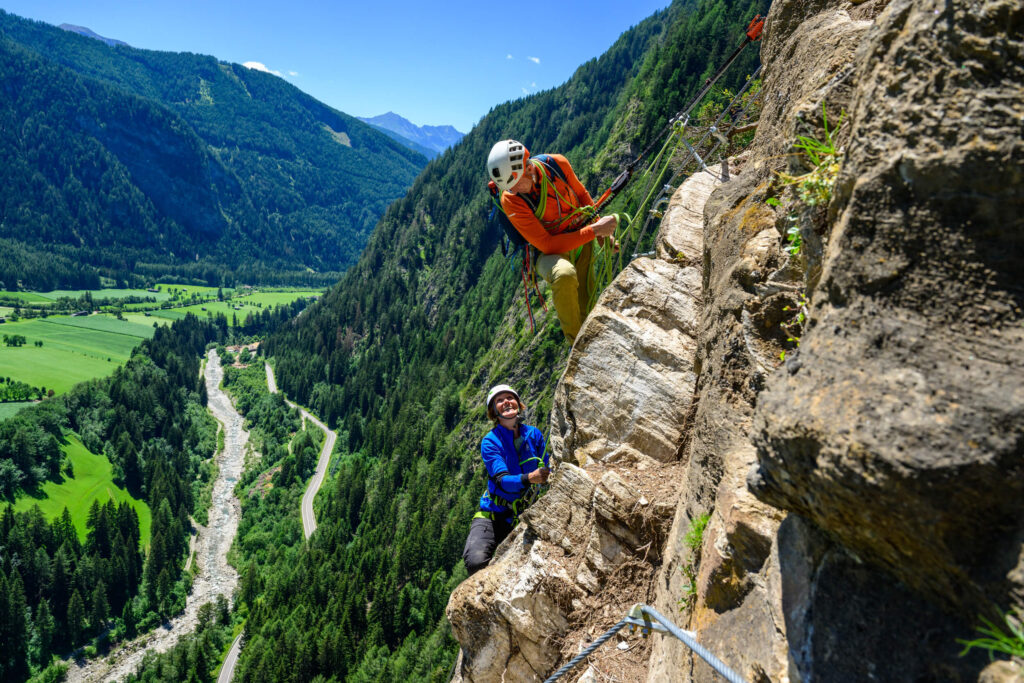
{"points": [[134, 164], [400, 353]]}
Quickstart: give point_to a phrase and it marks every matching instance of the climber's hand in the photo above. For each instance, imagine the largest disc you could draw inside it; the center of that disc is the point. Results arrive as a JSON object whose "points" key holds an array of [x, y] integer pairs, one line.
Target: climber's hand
{"points": [[539, 476], [605, 226]]}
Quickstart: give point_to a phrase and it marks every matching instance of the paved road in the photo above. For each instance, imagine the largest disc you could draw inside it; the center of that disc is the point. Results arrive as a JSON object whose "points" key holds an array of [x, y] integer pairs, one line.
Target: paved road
{"points": [[308, 520], [228, 670]]}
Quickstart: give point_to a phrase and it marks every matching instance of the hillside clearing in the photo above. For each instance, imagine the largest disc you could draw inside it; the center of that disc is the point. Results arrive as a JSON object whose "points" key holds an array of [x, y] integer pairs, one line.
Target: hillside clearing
{"points": [[93, 480]]}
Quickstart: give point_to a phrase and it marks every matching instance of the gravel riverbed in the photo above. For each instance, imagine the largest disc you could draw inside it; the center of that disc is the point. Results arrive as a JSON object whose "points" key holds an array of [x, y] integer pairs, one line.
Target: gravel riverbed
{"points": [[216, 576]]}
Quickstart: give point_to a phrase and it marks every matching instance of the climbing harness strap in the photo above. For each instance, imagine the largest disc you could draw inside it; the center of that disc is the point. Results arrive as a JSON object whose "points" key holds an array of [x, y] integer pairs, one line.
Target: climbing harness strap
{"points": [[576, 218], [532, 493]]}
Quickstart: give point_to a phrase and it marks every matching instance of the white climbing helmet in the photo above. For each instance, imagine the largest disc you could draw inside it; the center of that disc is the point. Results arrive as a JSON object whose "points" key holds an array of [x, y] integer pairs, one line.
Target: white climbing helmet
{"points": [[500, 389], [506, 163]]}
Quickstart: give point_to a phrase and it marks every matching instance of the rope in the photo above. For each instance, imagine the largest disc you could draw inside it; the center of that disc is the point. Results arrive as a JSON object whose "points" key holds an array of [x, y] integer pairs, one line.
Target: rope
{"points": [[654, 190], [694, 148], [586, 653], [689, 641], [641, 616]]}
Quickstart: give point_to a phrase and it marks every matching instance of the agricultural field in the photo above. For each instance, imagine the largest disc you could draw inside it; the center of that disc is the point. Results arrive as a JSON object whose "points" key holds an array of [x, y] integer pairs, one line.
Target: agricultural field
{"points": [[185, 291], [98, 294], [76, 349], [238, 307], [93, 480], [73, 349], [11, 409], [47, 299], [27, 297]]}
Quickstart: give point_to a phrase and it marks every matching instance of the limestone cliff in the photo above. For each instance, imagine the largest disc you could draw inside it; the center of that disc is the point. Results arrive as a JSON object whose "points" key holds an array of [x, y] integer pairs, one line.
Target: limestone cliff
{"points": [[865, 498]]}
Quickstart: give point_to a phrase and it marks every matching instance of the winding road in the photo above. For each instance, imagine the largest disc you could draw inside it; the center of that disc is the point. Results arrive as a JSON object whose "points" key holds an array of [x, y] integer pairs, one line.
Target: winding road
{"points": [[308, 520], [216, 576]]}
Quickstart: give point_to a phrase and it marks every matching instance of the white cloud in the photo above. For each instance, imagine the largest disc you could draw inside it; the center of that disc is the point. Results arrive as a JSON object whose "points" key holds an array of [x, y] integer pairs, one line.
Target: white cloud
{"points": [[535, 60], [525, 91], [293, 73], [260, 66], [533, 85], [508, 56]]}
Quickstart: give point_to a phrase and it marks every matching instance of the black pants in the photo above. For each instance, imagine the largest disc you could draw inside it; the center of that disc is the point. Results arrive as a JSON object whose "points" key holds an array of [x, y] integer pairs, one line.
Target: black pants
{"points": [[484, 536]]}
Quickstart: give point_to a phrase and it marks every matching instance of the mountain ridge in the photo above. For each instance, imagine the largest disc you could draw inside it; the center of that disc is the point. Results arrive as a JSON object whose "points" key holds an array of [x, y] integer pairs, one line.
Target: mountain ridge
{"points": [[89, 33], [435, 138]]}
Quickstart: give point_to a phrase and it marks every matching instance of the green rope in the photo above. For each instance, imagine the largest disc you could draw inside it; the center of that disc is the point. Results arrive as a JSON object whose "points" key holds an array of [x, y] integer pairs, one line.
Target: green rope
{"points": [[609, 261]]}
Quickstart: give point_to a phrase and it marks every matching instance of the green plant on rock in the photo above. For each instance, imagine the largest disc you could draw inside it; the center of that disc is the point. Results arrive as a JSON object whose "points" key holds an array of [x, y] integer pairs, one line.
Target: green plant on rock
{"points": [[694, 539], [795, 325], [1005, 638], [793, 237], [814, 188]]}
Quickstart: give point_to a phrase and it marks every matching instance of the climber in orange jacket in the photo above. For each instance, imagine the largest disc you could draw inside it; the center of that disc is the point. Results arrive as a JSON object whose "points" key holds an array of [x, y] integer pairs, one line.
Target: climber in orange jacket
{"points": [[550, 208]]}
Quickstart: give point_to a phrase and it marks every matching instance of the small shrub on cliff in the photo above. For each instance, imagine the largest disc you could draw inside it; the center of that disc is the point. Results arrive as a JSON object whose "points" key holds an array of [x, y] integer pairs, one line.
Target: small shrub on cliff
{"points": [[1006, 638], [814, 188], [694, 539]]}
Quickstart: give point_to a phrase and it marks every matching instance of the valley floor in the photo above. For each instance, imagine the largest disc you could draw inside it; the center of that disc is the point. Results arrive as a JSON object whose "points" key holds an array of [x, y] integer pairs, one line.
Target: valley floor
{"points": [[216, 576]]}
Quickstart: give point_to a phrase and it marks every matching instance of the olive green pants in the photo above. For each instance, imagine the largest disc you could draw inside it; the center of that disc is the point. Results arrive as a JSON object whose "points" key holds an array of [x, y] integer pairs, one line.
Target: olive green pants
{"points": [[571, 281]]}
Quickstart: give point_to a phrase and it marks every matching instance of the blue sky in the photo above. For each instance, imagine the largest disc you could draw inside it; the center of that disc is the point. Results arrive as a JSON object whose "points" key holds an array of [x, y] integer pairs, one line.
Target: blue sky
{"points": [[444, 63]]}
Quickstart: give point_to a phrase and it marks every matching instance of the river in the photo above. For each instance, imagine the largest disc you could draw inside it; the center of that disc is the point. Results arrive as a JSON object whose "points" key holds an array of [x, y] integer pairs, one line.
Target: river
{"points": [[216, 576]]}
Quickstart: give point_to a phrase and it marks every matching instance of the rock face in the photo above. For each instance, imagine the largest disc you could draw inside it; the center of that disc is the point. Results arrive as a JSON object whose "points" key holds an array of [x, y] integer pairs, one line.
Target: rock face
{"points": [[589, 549], [849, 513], [900, 427]]}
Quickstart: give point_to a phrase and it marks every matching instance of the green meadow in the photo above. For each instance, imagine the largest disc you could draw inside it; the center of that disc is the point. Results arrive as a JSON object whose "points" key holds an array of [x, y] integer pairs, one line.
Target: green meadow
{"points": [[27, 297], [98, 294], [74, 349], [188, 290], [250, 303], [77, 349], [93, 480], [11, 409]]}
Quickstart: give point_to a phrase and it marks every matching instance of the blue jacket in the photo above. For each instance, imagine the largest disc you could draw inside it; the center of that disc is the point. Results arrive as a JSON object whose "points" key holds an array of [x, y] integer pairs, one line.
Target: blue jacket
{"points": [[505, 467]]}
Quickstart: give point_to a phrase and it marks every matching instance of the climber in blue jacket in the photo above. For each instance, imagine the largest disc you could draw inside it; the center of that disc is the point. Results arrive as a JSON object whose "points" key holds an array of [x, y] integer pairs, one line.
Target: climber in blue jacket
{"points": [[514, 456]]}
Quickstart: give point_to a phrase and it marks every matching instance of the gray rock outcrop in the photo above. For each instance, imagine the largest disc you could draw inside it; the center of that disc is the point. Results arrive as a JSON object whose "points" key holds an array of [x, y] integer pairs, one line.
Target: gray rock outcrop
{"points": [[901, 432]]}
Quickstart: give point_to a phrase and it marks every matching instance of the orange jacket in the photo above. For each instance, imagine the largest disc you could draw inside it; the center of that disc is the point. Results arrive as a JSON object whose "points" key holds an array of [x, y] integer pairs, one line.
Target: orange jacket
{"points": [[548, 234]]}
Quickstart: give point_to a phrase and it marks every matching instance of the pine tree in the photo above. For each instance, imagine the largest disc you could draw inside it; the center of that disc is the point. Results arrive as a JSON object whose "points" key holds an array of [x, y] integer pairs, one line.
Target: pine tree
{"points": [[100, 607], [128, 617], [44, 631], [97, 540], [13, 628], [76, 618], [223, 610]]}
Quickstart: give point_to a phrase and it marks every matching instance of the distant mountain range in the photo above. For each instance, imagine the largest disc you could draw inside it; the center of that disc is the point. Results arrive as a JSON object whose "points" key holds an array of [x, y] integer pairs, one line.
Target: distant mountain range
{"points": [[133, 164], [89, 33], [433, 139]]}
